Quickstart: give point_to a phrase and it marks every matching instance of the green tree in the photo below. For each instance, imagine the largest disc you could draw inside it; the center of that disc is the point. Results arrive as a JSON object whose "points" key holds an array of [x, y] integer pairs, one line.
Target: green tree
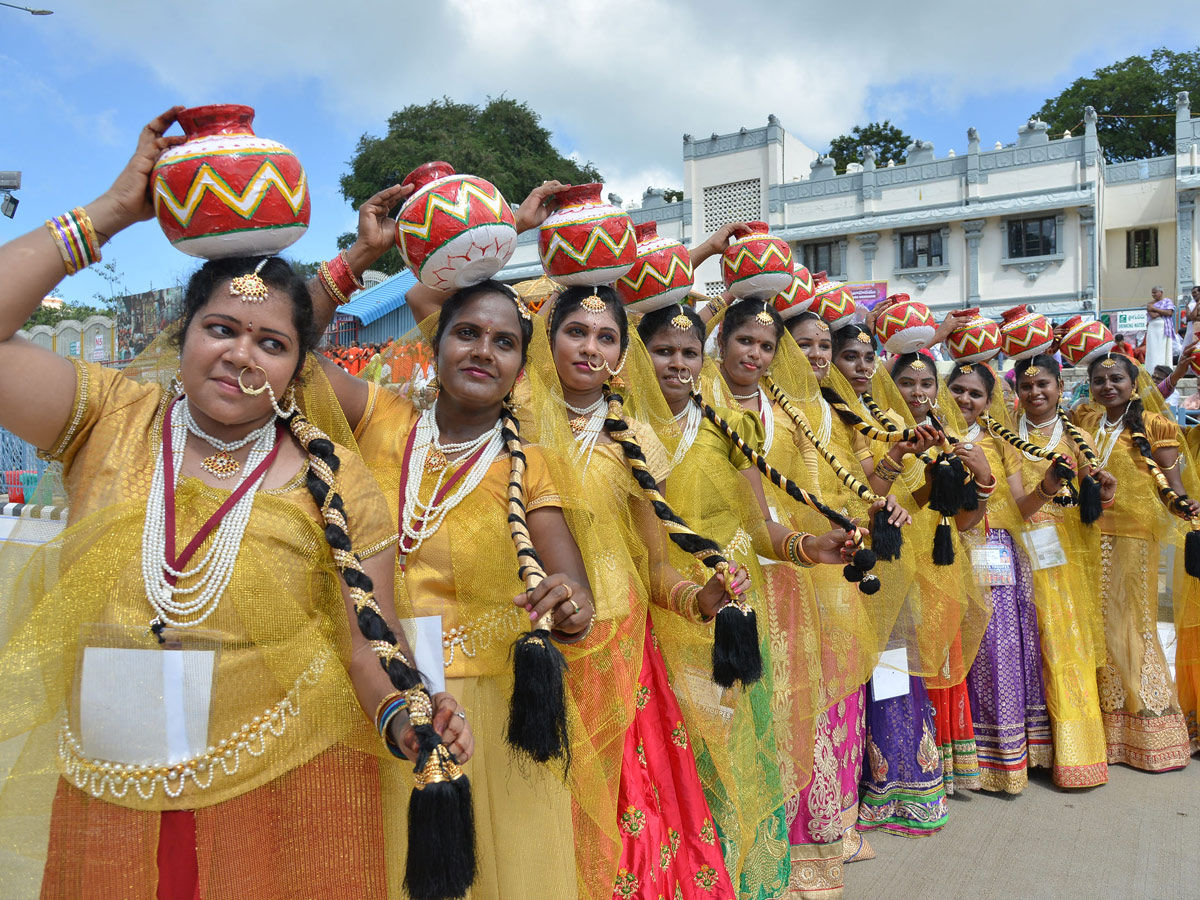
{"points": [[888, 142], [79, 312], [670, 195], [503, 142], [1123, 92]]}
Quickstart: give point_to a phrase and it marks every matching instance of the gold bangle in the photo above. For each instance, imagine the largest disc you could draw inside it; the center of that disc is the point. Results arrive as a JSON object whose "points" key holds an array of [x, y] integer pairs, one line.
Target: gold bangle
{"points": [[1173, 465], [330, 286], [1042, 494], [795, 550]]}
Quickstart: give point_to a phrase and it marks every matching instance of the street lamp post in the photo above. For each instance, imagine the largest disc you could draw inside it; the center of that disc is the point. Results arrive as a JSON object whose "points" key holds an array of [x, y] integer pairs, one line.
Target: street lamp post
{"points": [[32, 12]]}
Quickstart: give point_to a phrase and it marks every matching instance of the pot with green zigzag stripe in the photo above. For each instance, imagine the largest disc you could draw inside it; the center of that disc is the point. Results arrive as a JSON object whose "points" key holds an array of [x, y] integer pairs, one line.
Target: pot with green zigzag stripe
{"points": [[661, 275], [586, 240], [455, 230], [227, 192], [757, 265]]}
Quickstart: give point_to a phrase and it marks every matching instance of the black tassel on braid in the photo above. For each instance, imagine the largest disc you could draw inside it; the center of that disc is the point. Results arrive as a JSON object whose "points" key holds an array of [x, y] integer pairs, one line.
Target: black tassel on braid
{"points": [[537, 711], [887, 540], [864, 558], [441, 823], [1090, 505], [736, 653], [1060, 465]]}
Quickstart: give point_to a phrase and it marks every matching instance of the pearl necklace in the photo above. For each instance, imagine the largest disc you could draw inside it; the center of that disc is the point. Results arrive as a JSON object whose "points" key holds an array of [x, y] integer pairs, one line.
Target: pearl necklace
{"points": [[439, 454], [825, 432], [586, 426], [220, 464], [691, 417], [972, 435], [766, 413], [420, 520], [1055, 436], [183, 607], [1107, 435]]}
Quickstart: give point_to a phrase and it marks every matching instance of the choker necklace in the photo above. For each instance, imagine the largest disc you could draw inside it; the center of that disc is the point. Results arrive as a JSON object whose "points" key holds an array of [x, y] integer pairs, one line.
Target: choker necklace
{"points": [[1051, 442], [222, 463], [749, 396], [580, 416], [586, 425]]}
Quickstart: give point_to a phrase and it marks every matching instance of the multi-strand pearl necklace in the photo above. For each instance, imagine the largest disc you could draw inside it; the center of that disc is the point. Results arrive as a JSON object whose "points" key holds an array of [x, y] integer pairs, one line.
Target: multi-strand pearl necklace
{"points": [[183, 607], [1107, 435], [689, 423], [420, 520], [586, 425], [1055, 436], [825, 432], [972, 435]]}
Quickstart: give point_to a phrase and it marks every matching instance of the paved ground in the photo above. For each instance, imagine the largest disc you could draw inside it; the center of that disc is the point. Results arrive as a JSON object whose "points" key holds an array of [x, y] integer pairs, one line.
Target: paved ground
{"points": [[1135, 838]]}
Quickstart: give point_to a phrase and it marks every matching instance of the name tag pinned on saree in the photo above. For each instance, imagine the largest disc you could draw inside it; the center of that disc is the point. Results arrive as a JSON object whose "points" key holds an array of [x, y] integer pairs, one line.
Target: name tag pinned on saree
{"points": [[890, 677], [1045, 549], [145, 707], [993, 562]]}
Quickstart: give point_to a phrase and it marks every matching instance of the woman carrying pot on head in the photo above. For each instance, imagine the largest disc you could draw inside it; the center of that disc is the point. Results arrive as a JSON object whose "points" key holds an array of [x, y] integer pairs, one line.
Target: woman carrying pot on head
{"points": [[194, 663], [708, 490], [1138, 442]]}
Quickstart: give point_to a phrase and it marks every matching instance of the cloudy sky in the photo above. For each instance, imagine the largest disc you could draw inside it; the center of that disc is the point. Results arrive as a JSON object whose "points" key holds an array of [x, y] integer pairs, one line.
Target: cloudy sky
{"points": [[617, 82]]}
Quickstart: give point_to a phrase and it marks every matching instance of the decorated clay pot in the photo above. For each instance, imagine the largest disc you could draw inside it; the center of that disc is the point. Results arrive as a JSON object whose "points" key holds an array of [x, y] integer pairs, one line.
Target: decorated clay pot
{"points": [[661, 274], [756, 265], [833, 302], [974, 341], [454, 230], [587, 240], [1084, 341], [1024, 334], [904, 325], [798, 296], [227, 192]]}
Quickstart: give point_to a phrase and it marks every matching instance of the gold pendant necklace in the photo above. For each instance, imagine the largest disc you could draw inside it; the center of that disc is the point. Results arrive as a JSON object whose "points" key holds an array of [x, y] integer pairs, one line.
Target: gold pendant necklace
{"points": [[221, 464], [435, 460]]}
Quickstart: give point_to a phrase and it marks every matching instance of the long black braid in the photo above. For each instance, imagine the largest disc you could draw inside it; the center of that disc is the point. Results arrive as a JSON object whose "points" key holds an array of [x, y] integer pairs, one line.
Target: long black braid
{"points": [[441, 832]]}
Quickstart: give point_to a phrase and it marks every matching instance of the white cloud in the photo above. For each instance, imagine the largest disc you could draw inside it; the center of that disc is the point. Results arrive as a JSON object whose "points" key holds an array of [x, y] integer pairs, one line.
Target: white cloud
{"points": [[619, 81]]}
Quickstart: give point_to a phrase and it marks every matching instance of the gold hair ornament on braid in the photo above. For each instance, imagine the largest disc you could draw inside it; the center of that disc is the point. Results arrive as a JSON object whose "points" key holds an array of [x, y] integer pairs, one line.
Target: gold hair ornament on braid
{"points": [[886, 539], [864, 558]]}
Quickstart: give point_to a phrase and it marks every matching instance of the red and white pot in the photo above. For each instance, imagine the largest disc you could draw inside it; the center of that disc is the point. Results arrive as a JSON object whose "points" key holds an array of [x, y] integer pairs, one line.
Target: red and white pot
{"points": [[227, 192], [799, 295], [976, 340], [455, 230], [833, 302], [661, 274], [1084, 341], [1024, 334], [904, 325], [587, 240], [757, 265]]}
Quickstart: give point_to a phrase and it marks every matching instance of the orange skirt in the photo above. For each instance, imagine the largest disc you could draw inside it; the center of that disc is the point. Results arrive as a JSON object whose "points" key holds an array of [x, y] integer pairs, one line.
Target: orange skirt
{"points": [[316, 831]]}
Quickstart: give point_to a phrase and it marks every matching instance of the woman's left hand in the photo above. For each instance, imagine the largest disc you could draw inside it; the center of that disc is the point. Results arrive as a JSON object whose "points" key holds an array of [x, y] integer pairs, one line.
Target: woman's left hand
{"points": [[897, 514], [720, 588], [450, 722], [568, 603], [1108, 484], [975, 460], [834, 548], [129, 199]]}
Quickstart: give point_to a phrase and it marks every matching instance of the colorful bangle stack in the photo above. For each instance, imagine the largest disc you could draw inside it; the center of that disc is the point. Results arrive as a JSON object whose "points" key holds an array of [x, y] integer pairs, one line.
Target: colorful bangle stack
{"points": [[388, 708], [1109, 503], [984, 491], [76, 239], [888, 469], [338, 279], [793, 545], [684, 600]]}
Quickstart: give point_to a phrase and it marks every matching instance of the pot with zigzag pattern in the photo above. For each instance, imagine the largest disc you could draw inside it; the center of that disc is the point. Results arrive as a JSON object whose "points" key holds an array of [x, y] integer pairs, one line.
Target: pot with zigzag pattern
{"points": [[227, 192], [586, 240], [757, 265], [455, 230], [662, 274]]}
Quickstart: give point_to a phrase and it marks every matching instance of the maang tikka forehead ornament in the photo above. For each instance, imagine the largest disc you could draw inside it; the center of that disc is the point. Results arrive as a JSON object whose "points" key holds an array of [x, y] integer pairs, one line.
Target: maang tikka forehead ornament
{"points": [[681, 321], [1033, 371], [1108, 362], [250, 288], [863, 338], [762, 317], [593, 305]]}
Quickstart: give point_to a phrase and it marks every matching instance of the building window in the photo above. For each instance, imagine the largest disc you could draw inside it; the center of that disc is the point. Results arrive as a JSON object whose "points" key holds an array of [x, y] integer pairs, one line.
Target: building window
{"points": [[921, 250], [824, 258], [738, 201], [1141, 248], [1032, 237]]}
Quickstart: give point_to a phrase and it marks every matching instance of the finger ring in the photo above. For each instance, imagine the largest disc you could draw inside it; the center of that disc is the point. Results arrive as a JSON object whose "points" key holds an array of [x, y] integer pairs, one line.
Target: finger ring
{"points": [[570, 592], [462, 715], [574, 604], [968, 446]]}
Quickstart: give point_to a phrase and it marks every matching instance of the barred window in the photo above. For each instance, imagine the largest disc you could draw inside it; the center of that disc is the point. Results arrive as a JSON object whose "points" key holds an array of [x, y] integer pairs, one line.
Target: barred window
{"points": [[826, 257], [1141, 248], [921, 250], [738, 201], [1032, 237]]}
